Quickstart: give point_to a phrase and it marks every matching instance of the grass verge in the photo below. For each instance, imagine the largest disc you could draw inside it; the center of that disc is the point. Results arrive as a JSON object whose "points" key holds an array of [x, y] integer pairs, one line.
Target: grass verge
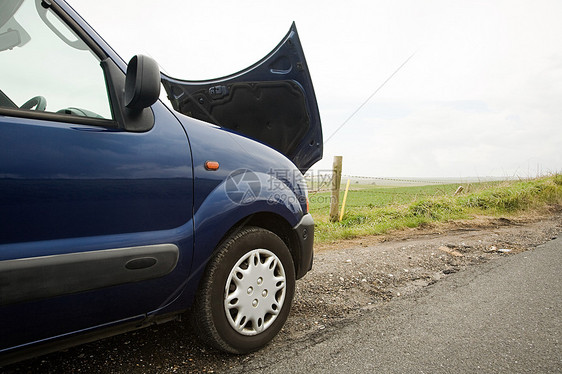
{"points": [[372, 210]]}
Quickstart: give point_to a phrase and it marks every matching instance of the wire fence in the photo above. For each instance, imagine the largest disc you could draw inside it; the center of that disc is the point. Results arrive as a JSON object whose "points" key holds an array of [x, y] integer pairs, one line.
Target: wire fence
{"points": [[371, 192], [322, 181]]}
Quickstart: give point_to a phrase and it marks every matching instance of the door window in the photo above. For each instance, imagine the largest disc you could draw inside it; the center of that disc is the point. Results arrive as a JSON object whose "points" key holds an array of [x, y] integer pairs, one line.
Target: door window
{"points": [[45, 66]]}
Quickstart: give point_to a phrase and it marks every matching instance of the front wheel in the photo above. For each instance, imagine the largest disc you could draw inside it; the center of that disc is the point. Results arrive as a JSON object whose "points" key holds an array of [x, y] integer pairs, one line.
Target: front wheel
{"points": [[246, 293]]}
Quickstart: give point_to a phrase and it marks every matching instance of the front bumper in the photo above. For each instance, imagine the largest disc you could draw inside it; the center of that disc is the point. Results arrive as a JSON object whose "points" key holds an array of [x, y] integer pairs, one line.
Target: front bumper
{"points": [[304, 232]]}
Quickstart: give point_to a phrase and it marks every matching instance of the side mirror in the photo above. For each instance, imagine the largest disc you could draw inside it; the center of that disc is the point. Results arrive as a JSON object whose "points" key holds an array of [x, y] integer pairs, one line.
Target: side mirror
{"points": [[142, 83]]}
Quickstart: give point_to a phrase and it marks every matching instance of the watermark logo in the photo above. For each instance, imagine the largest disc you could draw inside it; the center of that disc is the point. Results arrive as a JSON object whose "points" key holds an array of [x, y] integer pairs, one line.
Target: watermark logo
{"points": [[280, 186], [243, 186]]}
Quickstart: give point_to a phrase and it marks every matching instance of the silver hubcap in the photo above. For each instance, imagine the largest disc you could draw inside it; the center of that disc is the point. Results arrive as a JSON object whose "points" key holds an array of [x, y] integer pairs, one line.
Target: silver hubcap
{"points": [[254, 292]]}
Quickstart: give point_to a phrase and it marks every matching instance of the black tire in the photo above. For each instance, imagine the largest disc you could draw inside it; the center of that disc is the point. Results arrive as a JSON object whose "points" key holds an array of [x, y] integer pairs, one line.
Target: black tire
{"points": [[209, 313]]}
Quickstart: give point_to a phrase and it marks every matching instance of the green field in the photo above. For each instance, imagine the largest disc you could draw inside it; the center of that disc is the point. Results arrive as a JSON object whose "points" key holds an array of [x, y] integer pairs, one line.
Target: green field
{"points": [[372, 210]]}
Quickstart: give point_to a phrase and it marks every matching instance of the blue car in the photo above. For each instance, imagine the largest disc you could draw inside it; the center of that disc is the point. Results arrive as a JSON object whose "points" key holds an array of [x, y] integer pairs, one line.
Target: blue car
{"points": [[123, 205]]}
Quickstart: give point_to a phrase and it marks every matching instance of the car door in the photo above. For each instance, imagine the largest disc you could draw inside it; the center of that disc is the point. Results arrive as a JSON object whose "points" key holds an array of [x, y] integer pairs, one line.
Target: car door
{"points": [[95, 219], [272, 101]]}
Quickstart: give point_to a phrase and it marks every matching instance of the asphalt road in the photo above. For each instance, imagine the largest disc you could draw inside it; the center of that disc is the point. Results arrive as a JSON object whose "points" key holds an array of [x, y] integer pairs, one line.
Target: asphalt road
{"points": [[500, 317]]}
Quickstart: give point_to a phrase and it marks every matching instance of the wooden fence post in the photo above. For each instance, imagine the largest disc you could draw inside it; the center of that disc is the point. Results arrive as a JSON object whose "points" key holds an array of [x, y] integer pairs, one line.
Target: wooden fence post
{"points": [[336, 181]]}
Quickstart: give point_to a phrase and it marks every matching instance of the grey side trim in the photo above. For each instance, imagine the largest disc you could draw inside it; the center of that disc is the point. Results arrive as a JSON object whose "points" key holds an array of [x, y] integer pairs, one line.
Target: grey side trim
{"points": [[34, 278]]}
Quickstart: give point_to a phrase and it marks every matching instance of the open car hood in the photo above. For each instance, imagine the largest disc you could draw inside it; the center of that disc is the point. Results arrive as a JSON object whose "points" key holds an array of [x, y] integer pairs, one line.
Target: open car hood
{"points": [[272, 101]]}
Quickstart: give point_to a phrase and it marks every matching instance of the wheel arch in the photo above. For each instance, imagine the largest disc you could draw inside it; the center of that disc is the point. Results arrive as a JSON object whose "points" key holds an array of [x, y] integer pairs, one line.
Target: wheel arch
{"points": [[276, 224], [281, 228]]}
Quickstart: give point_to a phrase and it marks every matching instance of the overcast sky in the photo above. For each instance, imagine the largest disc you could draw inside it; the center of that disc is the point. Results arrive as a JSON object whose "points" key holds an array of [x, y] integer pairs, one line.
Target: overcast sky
{"points": [[482, 96]]}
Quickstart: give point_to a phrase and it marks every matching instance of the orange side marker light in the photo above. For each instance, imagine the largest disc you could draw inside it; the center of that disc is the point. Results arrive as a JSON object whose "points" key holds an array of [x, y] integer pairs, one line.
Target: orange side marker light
{"points": [[211, 165]]}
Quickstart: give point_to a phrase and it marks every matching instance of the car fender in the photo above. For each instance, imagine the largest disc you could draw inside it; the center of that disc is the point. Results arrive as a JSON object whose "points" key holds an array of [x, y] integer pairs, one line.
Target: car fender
{"points": [[223, 208]]}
